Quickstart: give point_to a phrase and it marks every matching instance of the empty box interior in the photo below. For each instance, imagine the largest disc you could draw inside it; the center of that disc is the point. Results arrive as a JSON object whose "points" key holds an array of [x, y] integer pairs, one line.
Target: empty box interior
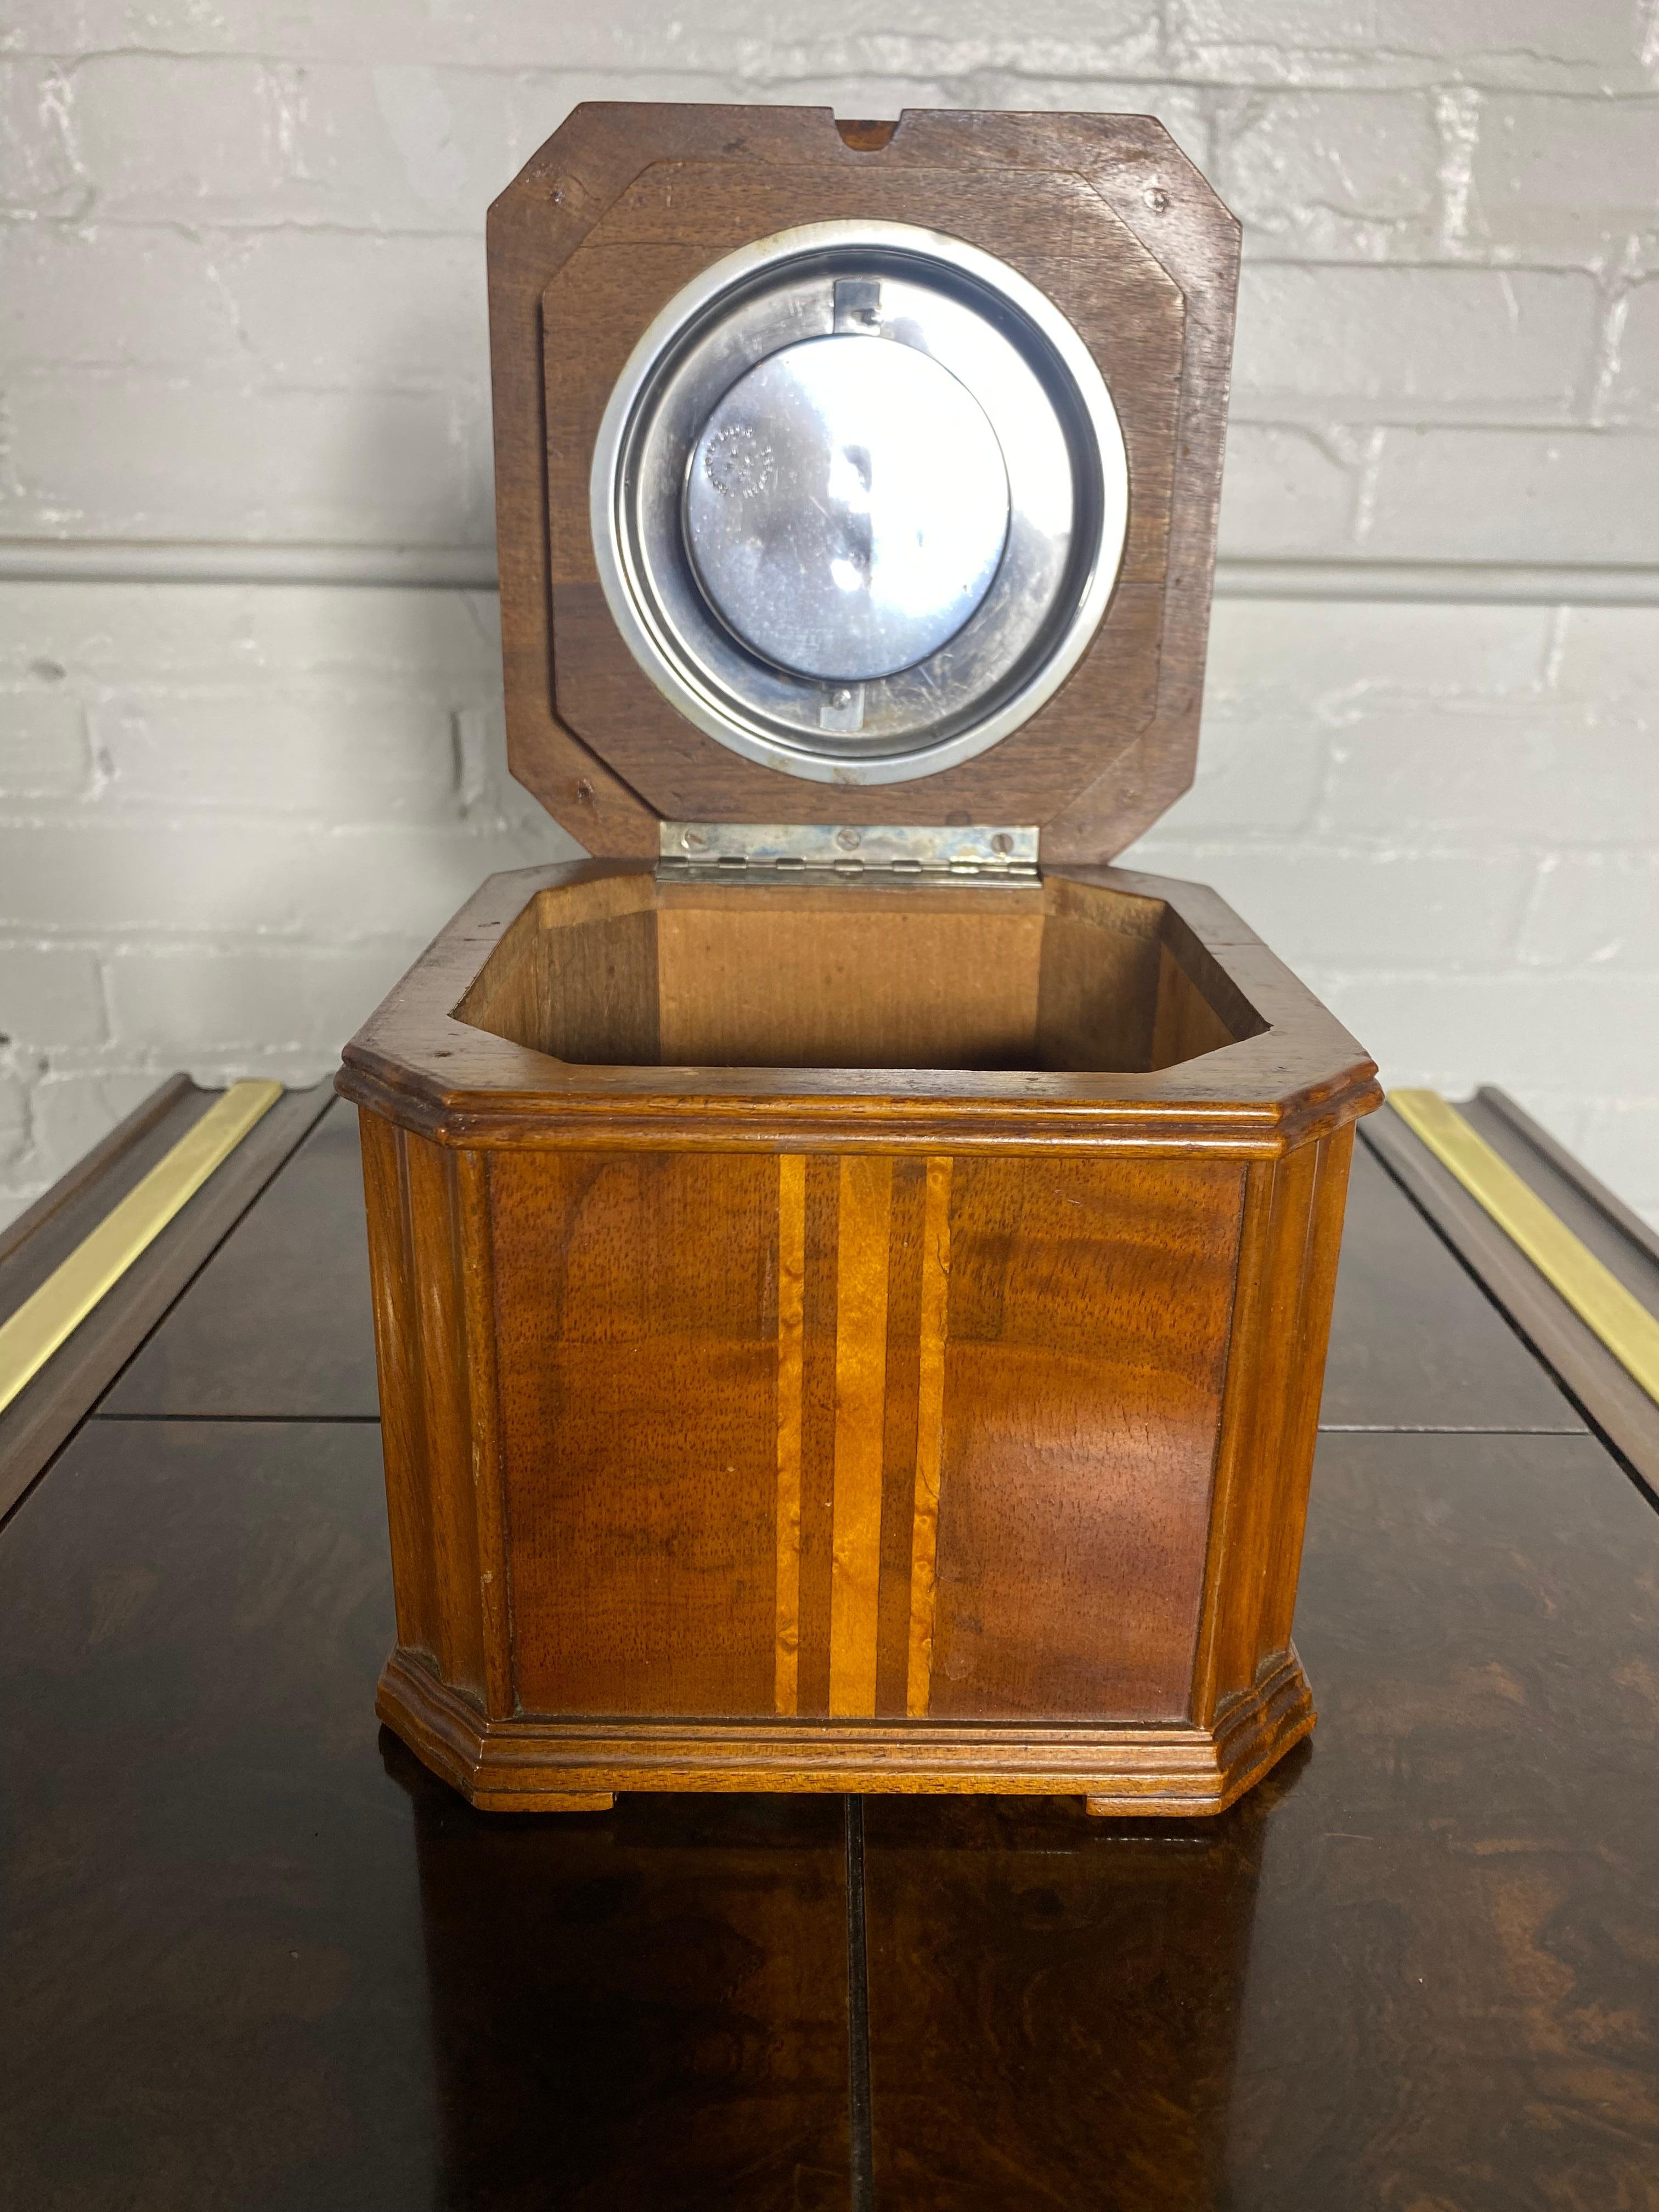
{"points": [[1054, 975]]}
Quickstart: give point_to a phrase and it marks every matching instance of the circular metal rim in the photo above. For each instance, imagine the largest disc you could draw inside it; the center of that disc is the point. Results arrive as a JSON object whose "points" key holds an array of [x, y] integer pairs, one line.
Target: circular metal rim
{"points": [[609, 536], [1027, 384]]}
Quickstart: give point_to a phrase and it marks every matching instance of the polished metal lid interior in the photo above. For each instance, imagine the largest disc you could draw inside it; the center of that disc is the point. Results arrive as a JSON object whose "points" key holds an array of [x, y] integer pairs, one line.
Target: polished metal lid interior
{"points": [[859, 502], [846, 508]]}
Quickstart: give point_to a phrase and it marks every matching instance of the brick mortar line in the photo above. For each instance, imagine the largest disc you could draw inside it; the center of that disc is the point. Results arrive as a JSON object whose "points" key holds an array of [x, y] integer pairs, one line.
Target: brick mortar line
{"points": [[472, 568]]}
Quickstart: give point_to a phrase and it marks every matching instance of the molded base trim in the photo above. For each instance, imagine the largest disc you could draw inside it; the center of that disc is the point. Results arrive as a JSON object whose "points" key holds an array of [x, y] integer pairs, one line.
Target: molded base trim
{"points": [[524, 1765]]}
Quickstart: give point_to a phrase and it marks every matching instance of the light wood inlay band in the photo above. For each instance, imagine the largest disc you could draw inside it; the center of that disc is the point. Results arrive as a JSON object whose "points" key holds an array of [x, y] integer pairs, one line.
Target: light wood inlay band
{"points": [[930, 1435], [863, 1240], [792, 1277]]}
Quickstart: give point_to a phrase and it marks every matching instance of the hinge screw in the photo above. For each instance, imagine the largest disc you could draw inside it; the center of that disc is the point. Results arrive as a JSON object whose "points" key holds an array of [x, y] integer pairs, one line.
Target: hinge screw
{"points": [[1002, 842], [694, 841], [848, 840]]}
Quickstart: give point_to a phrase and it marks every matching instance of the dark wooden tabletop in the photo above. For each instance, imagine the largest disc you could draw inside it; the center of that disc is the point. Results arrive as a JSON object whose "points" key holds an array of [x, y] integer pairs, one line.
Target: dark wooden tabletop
{"points": [[252, 1955]]}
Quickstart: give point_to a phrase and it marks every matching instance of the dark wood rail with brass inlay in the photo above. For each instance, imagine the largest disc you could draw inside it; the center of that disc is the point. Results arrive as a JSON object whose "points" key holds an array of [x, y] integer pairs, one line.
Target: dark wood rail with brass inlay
{"points": [[1574, 1271]]}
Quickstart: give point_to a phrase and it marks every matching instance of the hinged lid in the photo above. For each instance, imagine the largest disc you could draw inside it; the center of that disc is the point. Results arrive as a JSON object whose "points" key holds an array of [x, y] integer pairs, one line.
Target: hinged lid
{"points": [[857, 479]]}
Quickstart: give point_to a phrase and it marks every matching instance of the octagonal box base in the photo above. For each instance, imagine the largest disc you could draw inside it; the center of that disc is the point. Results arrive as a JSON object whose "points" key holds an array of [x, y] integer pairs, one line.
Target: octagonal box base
{"points": [[850, 1336]]}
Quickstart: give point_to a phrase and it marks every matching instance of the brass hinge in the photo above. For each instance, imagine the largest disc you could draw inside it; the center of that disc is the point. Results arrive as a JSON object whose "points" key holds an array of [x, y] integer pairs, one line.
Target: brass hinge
{"points": [[772, 852]]}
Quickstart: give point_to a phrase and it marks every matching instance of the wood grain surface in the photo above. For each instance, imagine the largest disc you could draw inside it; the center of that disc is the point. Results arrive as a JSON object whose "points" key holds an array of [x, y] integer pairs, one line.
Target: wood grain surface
{"points": [[1118, 1770], [1410, 1969], [1088, 1322], [1291, 1074], [297, 1970], [867, 1439], [791, 1289], [819, 1392], [862, 1253], [624, 205], [636, 1307], [931, 1327], [1289, 1245], [278, 1962]]}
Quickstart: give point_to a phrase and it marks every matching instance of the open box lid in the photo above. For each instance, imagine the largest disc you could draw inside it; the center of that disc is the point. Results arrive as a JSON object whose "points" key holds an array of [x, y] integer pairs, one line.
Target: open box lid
{"points": [[859, 474]]}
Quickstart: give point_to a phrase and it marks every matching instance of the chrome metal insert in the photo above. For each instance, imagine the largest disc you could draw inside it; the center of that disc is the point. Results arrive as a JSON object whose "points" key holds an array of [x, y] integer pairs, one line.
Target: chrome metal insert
{"points": [[853, 393], [847, 507]]}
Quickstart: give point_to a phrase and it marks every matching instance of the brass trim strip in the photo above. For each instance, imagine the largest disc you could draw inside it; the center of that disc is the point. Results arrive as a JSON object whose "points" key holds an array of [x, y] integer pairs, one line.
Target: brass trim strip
{"points": [[1601, 1301], [47, 1318]]}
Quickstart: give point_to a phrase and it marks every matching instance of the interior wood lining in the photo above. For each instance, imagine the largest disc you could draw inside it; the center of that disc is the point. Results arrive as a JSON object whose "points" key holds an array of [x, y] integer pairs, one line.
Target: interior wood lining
{"points": [[1060, 976]]}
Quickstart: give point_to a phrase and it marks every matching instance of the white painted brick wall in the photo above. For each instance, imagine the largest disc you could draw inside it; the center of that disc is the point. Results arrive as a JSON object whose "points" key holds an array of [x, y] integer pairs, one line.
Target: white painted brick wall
{"points": [[1447, 819], [242, 298]]}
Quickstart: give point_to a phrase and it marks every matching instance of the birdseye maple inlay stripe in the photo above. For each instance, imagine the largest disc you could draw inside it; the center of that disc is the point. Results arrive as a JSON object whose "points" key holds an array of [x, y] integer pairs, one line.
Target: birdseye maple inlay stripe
{"points": [[862, 1238], [930, 1431], [861, 1268], [792, 1285]]}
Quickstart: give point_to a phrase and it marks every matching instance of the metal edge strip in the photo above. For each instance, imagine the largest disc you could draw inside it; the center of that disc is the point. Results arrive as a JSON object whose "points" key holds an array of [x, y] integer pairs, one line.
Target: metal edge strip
{"points": [[1617, 1318], [1625, 1222], [49, 1317]]}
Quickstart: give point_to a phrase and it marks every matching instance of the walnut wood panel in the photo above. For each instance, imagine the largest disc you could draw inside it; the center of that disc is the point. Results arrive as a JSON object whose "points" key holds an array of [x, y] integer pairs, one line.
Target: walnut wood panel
{"points": [[938, 979], [429, 1269], [1291, 1240], [1087, 1335], [962, 1472], [1103, 211], [628, 971], [636, 1313], [648, 2010], [576, 976], [820, 1323], [909, 1423], [1128, 1769]]}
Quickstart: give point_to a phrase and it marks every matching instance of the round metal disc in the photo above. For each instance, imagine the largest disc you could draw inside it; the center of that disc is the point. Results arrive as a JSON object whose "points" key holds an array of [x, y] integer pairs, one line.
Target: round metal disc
{"points": [[846, 507]]}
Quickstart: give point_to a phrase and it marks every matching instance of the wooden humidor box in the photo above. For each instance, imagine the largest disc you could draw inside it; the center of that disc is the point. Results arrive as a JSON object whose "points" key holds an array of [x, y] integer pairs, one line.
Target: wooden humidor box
{"points": [[850, 1320]]}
